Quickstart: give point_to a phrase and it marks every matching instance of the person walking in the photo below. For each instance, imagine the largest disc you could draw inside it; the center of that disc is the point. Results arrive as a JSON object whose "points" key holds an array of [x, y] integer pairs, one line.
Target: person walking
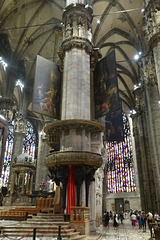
{"points": [[133, 219], [115, 220], [121, 217]]}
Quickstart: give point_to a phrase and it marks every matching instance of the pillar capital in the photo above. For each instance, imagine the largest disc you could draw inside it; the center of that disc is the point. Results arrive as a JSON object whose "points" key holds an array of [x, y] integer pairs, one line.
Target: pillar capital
{"points": [[148, 71], [77, 28], [152, 23]]}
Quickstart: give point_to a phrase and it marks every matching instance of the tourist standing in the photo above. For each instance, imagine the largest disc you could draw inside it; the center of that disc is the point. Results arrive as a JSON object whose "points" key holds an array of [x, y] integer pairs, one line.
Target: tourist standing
{"points": [[144, 219]]}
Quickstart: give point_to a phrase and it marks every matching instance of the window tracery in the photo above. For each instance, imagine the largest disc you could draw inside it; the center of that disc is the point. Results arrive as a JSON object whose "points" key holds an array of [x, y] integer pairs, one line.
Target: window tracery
{"points": [[29, 143], [120, 167]]}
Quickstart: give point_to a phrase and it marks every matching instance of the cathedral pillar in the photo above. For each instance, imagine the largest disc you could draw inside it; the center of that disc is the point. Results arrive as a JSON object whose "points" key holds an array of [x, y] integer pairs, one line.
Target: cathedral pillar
{"points": [[152, 32], [77, 154], [146, 130], [19, 134], [31, 183], [20, 125], [43, 149]]}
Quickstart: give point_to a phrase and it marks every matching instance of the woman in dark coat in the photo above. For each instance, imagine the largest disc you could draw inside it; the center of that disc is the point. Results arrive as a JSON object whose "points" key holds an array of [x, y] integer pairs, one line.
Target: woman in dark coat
{"points": [[106, 219]]}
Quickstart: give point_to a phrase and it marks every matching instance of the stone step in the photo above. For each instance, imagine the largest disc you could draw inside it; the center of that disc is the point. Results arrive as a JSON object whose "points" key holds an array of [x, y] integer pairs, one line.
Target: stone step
{"points": [[48, 223], [79, 237], [47, 227], [28, 227], [38, 231], [48, 216], [42, 233], [45, 219]]}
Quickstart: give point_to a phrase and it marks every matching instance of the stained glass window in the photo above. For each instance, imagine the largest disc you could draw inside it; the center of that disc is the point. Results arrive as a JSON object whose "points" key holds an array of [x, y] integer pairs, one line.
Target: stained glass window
{"points": [[29, 141], [120, 169], [7, 155], [28, 146]]}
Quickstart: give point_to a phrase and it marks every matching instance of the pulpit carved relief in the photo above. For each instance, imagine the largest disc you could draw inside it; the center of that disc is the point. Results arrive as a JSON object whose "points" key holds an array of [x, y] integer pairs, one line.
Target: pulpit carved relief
{"points": [[20, 124]]}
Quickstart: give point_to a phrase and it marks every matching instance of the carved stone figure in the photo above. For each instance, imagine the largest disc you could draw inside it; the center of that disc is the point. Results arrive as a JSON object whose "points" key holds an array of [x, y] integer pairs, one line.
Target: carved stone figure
{"points": [[68, 31], [20, 124]]}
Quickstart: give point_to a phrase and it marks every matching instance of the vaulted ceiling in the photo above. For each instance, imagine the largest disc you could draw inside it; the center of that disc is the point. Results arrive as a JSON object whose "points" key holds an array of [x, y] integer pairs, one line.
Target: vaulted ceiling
{"points": [[34, 27]]}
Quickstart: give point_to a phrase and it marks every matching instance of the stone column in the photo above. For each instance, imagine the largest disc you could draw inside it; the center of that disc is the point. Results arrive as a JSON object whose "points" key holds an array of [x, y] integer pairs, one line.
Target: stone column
{"points": [[43, 149], [31, 183], [146, 129], [76, 128], [152, 32], [93, 206], [23, 182], [20, 125], [12, 183], [27, 182]]}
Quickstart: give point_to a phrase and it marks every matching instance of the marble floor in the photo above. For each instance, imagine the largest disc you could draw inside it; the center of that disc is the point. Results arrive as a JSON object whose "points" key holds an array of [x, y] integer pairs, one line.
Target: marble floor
{"points": [[124, 231]]}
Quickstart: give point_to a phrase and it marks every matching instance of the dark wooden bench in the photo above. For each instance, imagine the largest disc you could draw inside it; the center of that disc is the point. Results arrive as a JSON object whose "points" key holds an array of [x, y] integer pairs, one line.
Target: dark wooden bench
{"points": [[44, 204], [13, 215], [21, 213], [31, 211]]}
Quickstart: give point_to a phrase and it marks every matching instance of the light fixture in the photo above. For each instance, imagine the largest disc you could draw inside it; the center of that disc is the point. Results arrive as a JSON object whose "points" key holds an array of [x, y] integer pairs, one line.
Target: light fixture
{"points": [[4, 64], [142, 10], [132, 112], [98, 21], [20, 84], [137, 86], [136, 57]]}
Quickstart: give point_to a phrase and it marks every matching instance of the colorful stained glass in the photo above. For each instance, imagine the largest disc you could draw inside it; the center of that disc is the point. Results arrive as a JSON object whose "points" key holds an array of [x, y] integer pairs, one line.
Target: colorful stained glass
{"points": [[29, 141], [120, 169], [28, 146], [7, 156]]}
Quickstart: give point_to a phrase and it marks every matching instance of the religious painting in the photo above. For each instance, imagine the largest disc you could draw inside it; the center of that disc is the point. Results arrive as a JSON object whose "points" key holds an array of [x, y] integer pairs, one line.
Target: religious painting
{"points": [[106, 86], [46, 96], [3, 136], [114, 126]]}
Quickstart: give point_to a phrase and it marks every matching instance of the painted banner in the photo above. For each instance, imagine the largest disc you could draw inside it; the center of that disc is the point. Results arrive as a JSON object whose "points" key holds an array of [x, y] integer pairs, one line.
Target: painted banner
{"points": [[46, 96], [114, 126], [106, 86]]}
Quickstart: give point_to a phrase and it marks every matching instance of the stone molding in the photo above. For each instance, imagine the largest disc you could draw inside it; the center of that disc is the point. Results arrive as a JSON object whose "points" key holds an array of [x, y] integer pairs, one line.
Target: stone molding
{"points": [[55, 129], [77, 28], [73, 158], [76, 42], [154, 40], [152, 23], [88, 125], [22, 167]]}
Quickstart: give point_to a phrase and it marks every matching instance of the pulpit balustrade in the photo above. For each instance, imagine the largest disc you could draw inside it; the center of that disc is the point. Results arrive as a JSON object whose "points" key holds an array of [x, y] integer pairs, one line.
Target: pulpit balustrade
{"points": [[80, 219], [79, 214]]}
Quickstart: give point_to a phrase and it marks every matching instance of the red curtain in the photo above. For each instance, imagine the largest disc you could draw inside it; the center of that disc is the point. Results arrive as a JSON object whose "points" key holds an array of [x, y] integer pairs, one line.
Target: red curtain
{"points": [[71, 200]]}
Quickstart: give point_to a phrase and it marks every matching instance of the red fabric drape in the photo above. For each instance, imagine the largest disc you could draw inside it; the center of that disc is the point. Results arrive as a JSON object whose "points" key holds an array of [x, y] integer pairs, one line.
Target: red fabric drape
{"points": [[71, 200]]}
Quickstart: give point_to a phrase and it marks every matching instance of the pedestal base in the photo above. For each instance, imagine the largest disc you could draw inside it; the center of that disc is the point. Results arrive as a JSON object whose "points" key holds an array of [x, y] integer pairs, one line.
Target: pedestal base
{"points": [[83, 227]]}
